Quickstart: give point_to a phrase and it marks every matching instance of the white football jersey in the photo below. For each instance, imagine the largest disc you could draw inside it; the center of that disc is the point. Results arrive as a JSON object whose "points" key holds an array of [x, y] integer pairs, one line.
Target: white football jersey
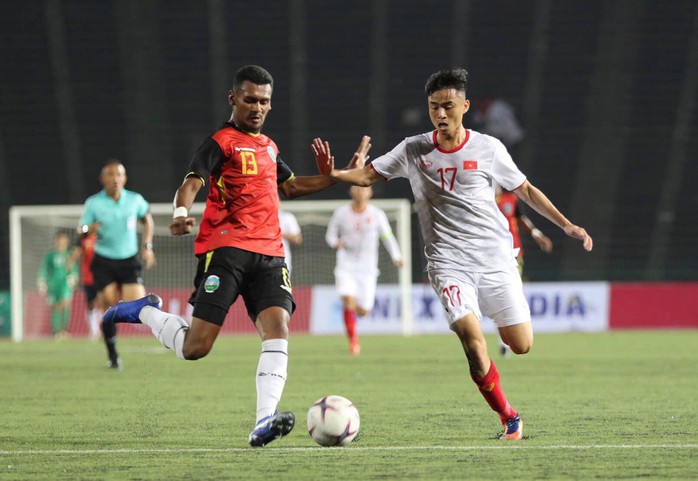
{"points": [[289, 225], [454, 198], [359, 233]]}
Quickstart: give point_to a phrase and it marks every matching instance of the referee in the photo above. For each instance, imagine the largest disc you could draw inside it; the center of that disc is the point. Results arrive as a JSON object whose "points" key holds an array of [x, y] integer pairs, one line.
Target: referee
{"points": [[112, 214]]}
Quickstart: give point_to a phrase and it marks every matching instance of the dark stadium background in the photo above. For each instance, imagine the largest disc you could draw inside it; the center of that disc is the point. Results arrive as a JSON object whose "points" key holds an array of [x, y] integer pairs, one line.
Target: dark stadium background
{"points": [[607, 91]]}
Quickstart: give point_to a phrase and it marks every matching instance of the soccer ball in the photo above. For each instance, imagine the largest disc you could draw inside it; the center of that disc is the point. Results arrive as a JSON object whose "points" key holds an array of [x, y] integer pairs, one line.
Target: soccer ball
{"points": [[333, 421]]}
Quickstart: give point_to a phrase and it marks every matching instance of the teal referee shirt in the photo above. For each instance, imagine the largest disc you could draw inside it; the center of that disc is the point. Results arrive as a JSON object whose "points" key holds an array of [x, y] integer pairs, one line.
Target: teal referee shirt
{"points": [[117, 237]]}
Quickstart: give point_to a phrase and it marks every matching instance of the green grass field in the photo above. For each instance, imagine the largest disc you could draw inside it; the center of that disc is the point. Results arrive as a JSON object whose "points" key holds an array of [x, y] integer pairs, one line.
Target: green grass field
{"points": [[620, 405]]}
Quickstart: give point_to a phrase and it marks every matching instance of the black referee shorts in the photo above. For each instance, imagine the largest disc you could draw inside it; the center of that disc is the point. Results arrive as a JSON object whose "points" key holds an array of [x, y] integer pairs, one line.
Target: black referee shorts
{"points": [[122, 271], [228, 272]]}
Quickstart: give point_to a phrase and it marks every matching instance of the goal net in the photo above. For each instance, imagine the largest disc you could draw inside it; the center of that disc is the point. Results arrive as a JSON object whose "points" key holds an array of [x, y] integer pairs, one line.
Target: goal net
{"points": [[32, 229]]}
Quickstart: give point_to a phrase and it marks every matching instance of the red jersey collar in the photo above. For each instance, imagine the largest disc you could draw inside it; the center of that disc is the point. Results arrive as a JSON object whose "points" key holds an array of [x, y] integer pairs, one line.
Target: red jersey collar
{"points": [[441, 149]]}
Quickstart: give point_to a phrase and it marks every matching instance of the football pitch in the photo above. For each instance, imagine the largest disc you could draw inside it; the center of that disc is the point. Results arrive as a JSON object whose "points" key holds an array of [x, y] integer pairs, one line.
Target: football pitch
{"points": [[620, 405]]}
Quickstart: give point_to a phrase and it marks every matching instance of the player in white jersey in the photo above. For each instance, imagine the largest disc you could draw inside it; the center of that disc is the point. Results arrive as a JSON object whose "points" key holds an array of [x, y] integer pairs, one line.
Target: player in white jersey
{"points": [[290, 234], [471, 262], [354, 230]]}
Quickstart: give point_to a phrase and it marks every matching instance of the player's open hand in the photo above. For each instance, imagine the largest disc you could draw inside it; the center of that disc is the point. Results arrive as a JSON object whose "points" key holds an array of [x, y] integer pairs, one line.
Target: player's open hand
{"points": [[323, 156], [577, 232], [358, 160], [182, 225]]}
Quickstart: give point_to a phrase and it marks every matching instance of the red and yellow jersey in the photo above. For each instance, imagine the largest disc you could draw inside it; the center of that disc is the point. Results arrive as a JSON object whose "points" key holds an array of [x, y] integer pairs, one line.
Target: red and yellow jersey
{"points": [[242, 171], [87, 244], [508, 204]]}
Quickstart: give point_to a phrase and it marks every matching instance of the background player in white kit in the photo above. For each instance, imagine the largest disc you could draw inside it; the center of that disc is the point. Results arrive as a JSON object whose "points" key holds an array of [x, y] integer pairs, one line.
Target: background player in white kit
{"points": [[291, 234], [354, 230], [471, 263]]}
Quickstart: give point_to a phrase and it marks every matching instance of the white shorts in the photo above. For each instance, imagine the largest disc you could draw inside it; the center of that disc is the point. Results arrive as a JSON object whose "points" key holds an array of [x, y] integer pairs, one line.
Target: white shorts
{"points": [[360, 286], [497, 294]]}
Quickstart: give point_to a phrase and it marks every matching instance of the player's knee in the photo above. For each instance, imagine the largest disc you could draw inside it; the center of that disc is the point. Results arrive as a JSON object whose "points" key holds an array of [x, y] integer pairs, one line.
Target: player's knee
{"points": [[360, 311], [521, 347], [194, 351]]}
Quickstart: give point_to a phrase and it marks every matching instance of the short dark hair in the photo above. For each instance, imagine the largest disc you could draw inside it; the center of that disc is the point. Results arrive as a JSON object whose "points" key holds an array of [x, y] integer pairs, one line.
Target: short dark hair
{"points": [[456, 78], [255, 74]]}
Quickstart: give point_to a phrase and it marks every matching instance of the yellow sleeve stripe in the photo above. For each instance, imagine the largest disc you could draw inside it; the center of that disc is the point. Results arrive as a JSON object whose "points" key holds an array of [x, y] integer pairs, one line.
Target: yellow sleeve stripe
{"points": [[292, 177], [194, 174]]}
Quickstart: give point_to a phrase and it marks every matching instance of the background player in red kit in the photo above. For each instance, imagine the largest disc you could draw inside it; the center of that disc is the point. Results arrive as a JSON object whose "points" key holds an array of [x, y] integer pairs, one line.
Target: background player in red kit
{"points": [[239, 247], [508, 204], [84, 250]]}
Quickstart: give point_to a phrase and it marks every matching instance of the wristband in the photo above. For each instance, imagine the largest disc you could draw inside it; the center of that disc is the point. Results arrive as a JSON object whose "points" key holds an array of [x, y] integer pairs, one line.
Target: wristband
{"points": [[180, 212], [148, 245]]}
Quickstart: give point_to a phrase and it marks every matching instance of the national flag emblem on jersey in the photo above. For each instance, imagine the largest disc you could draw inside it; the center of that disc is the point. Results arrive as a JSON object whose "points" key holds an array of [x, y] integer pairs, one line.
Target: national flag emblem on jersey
{"points": [[470, 165], [271, 153]]}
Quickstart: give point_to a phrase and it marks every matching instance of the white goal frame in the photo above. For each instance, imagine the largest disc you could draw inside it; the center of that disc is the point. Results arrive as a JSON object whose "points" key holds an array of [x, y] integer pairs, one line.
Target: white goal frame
{"points": [[399, 208]]}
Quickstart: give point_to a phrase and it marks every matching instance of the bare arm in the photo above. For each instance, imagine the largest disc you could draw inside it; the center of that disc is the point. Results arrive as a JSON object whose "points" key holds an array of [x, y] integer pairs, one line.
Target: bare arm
{"points": [[300, 186], [184, 197], [541, 204], [147, 247], [356, 173], [293, 239]]}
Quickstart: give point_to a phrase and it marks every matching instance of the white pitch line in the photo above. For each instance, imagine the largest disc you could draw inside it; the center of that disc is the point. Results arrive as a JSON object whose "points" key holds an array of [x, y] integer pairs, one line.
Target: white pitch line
{"points": [[353, 448]]}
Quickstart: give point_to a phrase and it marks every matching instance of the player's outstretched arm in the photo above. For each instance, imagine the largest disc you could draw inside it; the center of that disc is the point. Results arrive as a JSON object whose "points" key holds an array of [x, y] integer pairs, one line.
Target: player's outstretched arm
{"points": [[355, 173], [541, 204], [300, 186], [182, 222]]}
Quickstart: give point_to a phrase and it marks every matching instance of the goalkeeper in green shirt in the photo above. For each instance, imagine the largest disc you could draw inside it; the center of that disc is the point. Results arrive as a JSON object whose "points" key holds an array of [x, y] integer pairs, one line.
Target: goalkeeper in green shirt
{"points": [[57, 282]]}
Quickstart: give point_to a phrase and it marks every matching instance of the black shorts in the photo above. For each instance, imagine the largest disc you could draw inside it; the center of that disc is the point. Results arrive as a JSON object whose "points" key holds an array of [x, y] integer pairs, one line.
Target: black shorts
{"points": [[122, 271], [227, 272], [90, 292]]}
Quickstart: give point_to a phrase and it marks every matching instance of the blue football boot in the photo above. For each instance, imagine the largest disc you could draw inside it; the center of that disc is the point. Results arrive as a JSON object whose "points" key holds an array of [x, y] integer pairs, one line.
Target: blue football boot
{"points": [[271, 427], [128, 311]]}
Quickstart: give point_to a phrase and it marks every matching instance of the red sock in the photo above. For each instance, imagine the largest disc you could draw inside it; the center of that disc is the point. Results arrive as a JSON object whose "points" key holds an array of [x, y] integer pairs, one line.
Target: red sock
{"points": [[492, 391], [350, 323]]}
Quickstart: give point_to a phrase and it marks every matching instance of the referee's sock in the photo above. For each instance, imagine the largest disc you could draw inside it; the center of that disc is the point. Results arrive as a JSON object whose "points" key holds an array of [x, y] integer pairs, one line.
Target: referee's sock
{"points": [[109, 333]]}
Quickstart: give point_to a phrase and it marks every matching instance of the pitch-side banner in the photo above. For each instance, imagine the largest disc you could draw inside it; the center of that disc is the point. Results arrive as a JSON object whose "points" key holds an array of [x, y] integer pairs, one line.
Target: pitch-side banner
{"points": [[555, 307]]}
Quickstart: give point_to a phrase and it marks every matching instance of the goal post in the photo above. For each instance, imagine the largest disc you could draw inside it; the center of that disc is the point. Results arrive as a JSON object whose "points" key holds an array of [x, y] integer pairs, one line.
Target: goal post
{"points": [[32, 229], [31, 234]]}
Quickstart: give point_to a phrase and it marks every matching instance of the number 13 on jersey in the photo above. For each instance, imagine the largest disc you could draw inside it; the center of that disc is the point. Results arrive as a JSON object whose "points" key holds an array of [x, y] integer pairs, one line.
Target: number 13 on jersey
{"points": [[249, 163]]}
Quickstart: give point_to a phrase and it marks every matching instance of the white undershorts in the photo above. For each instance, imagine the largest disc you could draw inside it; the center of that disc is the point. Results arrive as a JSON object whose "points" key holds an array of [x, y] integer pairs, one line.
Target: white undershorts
{"points": [[499, 295], [360, 286]]}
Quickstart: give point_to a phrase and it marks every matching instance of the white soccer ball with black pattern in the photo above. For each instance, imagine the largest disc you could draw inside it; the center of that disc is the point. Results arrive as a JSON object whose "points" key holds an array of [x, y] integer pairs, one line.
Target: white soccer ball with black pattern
{"points": [[333, 421]]}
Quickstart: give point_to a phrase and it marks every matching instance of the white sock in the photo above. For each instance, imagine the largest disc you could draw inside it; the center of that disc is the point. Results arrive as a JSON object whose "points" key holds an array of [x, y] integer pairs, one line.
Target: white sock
{"points": [[271, 376], [94, 317], [167, 328]]}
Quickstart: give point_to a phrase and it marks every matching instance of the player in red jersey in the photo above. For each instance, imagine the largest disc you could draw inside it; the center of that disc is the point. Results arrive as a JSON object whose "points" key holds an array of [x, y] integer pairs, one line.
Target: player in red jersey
{"points": [[239, 247], [84, 250], [508, 204]]}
